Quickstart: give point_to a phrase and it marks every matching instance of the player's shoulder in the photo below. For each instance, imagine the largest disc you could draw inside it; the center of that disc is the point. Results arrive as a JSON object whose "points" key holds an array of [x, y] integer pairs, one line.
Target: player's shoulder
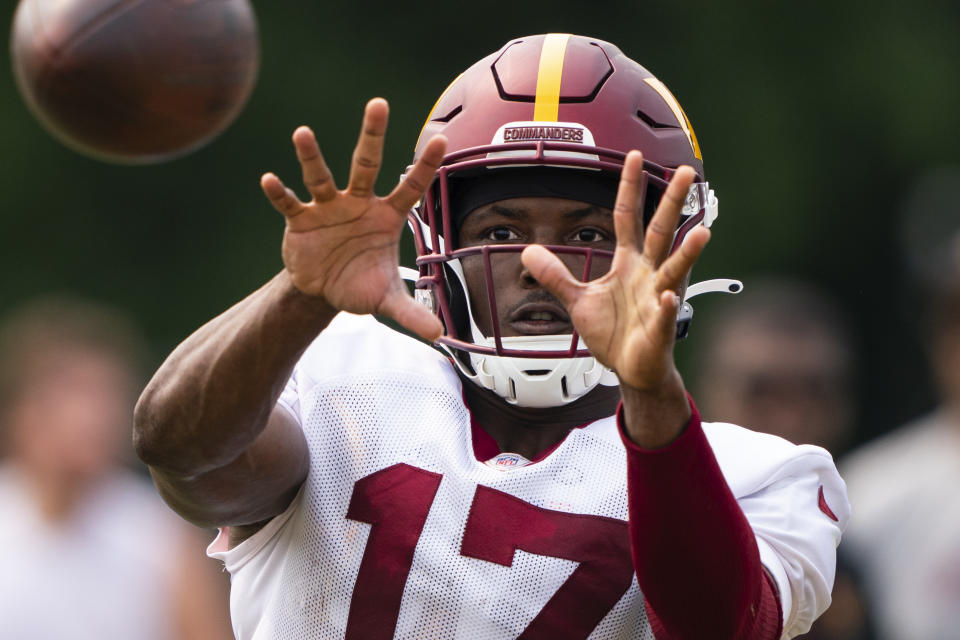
{"points": [[353, 343], [360, 344], [751, 460]]}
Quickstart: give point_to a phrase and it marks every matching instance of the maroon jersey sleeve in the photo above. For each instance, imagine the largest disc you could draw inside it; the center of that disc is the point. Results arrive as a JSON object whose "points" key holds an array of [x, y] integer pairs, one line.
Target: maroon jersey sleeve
{"points": [[694, 552]]}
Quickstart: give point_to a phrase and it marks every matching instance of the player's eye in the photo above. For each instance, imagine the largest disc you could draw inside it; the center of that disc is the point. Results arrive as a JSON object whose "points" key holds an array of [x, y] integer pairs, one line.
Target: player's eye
{"points": [[501, 234], [589, 234]]}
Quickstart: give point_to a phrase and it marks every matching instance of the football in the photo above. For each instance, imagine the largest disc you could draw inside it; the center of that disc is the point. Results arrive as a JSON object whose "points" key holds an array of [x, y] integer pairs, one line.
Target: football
{"points": [[135, 81]]}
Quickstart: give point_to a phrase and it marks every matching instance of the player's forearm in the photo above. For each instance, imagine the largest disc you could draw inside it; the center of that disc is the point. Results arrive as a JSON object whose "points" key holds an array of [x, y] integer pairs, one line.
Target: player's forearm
{"points": [[656, 417], [693, 548], [212, 396]]}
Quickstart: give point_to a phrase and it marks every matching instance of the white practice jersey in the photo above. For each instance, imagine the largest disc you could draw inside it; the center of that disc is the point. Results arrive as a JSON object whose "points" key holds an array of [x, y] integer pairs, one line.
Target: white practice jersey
{"points": [[399, 531], [103, 572], [905, 533]]}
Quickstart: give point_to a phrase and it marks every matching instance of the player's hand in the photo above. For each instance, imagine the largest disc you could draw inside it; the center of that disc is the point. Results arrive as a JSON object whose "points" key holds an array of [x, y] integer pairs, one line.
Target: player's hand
{"points": [[627, 317], [343, 245]]}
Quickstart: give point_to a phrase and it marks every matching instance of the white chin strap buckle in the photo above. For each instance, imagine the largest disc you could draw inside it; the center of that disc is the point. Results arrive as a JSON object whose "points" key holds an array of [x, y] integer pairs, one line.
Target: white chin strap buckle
{"points": [[718, 285]]}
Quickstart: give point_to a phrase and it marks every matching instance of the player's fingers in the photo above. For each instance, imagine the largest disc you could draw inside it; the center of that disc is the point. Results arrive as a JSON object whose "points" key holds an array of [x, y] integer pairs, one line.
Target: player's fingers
{"points": [[665, 322], [409, 314], [550, 272], [280, 196], [316, 175], [418, 179], [658, 236], [368, 153], [674, 269], [627, 204]]}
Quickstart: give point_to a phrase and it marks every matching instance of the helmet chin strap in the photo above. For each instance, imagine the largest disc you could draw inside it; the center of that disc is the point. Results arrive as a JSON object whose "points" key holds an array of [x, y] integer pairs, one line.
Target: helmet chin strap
{"points": [[408, 274], [537, 382]]}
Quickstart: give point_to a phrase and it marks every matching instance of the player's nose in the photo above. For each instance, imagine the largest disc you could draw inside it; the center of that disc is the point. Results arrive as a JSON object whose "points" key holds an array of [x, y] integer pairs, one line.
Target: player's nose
{"points": [[527, 281]]}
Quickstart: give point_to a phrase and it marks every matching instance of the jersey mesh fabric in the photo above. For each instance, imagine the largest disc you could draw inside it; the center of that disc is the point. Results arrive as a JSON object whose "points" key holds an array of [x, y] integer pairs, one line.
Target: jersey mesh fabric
{"points": [[369, 399], [358, 425]]}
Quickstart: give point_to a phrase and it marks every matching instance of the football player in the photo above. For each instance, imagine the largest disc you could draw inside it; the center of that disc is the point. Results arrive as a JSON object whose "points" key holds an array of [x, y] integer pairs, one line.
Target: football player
{"points": [[546, 475]]}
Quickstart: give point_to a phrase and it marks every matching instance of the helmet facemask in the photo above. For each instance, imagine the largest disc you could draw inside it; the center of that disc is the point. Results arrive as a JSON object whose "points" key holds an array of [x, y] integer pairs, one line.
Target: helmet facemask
{"points": [[527, 370]]}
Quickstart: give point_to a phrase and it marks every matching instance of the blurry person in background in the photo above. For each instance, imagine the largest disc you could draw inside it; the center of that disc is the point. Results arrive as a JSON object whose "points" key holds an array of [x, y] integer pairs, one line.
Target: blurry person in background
{"points": [[87, 549], [781, 360], [905, 528]]}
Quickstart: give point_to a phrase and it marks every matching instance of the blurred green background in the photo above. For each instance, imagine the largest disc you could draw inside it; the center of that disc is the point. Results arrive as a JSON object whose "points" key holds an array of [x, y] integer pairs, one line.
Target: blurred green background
{"points": [[814, 119]]}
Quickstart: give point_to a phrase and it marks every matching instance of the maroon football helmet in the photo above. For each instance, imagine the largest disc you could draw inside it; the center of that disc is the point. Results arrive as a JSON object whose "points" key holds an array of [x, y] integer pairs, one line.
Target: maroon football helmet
{"points": [[560, 103]]}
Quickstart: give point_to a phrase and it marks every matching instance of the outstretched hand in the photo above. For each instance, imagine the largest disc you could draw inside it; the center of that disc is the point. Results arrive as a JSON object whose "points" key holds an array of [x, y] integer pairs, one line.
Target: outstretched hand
{"points": [[343, 245], [627, 318]]}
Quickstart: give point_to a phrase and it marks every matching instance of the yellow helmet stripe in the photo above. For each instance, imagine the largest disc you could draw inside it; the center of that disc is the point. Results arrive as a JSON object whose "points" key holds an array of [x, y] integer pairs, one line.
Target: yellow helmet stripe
{"points": [[547, 102], [661, 88]]}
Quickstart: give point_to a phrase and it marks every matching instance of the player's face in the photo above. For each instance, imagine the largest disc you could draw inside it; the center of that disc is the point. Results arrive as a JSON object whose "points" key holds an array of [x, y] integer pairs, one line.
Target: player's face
{"points": [[523, 306]]}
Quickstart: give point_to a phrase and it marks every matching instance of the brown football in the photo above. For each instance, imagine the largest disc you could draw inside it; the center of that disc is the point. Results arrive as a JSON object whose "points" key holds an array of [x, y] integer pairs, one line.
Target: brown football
{"points": [[135, 81]]}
